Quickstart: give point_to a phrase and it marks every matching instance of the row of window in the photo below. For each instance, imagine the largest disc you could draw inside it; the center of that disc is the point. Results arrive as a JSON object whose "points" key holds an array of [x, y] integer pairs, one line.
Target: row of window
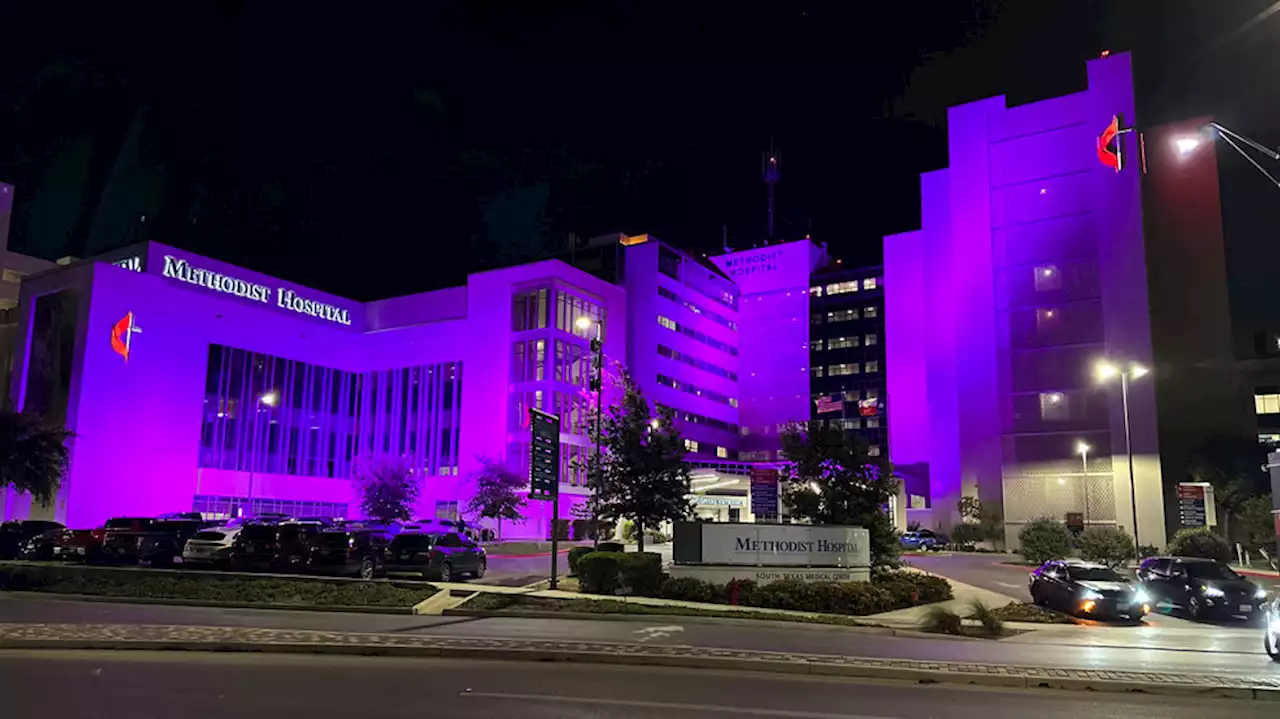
{"points": [[699, 336], [690, 388], [840, 288], [572, 363], [692, 361], [529, 311], [218, 507], [847, 368], [857, 422], [839, 343], [671, 264], [850, 395], [1266, 403], [693, 445], [715, 317], [846, 315], [712, 422]]}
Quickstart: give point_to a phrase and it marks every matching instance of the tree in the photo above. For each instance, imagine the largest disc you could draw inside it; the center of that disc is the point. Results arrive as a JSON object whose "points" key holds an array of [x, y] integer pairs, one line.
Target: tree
{"points": [[1107, 544], [33, 455], [499, 493], [388, 490], [1257, 525], [831, 478], [983, 516], [1200, 542], [643, 474], [1232, 465], [1044, 539]]}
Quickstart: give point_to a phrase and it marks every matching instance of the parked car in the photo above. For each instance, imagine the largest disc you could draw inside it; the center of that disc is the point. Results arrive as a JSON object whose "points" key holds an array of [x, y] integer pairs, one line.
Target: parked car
{"points": [[442, 556], [922, 539], [294, 544], [1087, 589], [1271, 630], [40, 547], [1200, 587], [157, 542], [15, 535], [210, 547], [358, 553], [253, 547], [77, 544]]}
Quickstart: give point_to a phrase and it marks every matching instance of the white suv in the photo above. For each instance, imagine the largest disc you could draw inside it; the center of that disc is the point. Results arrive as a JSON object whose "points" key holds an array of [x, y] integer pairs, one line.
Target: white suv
{"points": [[210, 547]]}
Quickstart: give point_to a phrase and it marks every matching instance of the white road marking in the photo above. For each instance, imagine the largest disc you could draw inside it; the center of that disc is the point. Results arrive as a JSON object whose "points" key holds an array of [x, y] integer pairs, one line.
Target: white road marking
{"points": [[658, 632], [701, 708], [1011, 586]]}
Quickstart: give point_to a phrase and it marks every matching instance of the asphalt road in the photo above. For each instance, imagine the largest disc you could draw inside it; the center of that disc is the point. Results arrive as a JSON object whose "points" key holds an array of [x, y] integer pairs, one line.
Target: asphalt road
{"points": [[1233, 652], [104, 685]]}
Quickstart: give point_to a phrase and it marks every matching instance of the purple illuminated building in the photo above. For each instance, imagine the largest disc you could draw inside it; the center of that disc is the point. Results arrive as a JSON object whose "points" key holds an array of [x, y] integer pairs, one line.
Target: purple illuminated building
{"points": [[1041, 254]]}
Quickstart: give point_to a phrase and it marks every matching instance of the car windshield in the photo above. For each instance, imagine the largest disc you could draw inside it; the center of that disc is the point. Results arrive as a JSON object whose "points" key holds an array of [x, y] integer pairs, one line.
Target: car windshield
{"points": [[414, 541], [257, 531], [1210, 570], [1094, 574], [209, 536], [126, 523]]}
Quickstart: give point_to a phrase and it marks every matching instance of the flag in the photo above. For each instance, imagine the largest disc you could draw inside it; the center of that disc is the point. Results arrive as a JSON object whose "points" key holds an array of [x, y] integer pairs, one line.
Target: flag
{"points": [[868, 407], [830, 404]]}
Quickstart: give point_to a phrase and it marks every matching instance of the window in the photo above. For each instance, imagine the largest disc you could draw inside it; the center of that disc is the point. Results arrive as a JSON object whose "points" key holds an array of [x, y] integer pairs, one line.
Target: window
{"points": [[846, 368], [815, 291], [872, 422], [851, 396], [1054, 406], [874, 450], [698, 419], [842, 315], [569, 308], [695, 334], [1048, 278], [1266, 403], [840, 288], [850, 423], [815, 319], [690, 388], [1046, 319], [815, 345], [669, 263], [529, 310], [447, 510], [696, 362], [873, 394], [870, 311], [668, 323], [816, 371], [722, 453], [869, 283], [696, 309], [839, 343], [871, 340], [691, 445], [873, 366]]}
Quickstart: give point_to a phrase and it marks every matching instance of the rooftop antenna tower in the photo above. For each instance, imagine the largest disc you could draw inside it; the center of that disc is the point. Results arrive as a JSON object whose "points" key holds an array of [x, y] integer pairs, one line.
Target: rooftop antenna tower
{"points": [[771, 169]]}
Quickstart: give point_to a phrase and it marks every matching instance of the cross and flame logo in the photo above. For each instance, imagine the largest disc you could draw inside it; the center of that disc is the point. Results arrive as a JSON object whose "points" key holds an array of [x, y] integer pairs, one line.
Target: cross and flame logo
{"points": [[122, 335]]}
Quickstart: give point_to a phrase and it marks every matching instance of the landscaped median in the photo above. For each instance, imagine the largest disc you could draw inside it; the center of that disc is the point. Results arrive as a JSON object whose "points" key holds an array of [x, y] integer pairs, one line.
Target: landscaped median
{"points": [[215, 588]]}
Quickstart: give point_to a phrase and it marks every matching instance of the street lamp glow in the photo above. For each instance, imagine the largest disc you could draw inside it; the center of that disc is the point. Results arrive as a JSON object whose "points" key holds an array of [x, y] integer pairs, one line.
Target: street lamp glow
{"points": [[1105, 371], [1137, 370], [1082, 448], [583, 323], [1186, 145], [654, 423], [270, 399]]}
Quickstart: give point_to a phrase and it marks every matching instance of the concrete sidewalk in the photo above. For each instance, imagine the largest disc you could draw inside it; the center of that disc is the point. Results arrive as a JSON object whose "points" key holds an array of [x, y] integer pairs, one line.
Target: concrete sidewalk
{"points": [[965, 595], [636, 652]]}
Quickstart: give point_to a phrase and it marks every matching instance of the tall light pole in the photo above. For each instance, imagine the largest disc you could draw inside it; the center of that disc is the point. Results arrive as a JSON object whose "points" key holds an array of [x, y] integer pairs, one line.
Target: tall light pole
{"points": [[270, 398], [1187, 144], [1083, 450], [1105, 372], [597, 383]]}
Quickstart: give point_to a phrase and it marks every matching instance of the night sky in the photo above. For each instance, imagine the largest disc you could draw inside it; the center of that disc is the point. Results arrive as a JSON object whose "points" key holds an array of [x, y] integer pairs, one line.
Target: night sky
{"points": [[374, 152]]}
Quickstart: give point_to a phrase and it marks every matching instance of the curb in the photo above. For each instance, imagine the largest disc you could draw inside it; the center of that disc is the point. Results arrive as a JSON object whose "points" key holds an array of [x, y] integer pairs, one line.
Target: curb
{"points": [[103, 599], [781, 665], [683, 618]]}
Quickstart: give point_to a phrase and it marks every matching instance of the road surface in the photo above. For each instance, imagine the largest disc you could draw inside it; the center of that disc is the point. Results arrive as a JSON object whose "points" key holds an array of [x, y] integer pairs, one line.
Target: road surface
{"points": [[105, 685], [1153, 649]]}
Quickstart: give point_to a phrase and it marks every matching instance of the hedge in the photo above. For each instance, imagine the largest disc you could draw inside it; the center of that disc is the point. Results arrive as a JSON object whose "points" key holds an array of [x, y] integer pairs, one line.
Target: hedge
{"points": [[575, 555], [886, 592], [599, 572], [210, 587], [1200, 542]]}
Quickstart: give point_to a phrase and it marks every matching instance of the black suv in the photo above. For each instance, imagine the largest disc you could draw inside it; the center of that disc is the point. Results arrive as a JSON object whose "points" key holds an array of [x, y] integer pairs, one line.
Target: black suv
{"points": [[1200, 587], [149, 541], [358, 553], [441, 556], [15, 535]]}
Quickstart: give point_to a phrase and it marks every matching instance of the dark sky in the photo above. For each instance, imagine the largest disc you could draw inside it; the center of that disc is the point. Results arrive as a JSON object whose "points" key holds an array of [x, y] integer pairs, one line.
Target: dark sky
{"points": [[373, 151]]}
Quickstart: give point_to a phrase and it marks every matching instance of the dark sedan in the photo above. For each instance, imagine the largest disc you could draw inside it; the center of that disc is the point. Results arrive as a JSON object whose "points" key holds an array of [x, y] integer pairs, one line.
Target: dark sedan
{"points": [[1200, 587], [1088, 590], [15, 535]]}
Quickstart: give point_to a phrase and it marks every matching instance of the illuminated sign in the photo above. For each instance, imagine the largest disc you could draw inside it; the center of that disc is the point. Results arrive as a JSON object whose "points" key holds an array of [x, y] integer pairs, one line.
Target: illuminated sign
{"points": [[122, 335], [133, 264], [1113, 158], [180, 269], [752, 264]]}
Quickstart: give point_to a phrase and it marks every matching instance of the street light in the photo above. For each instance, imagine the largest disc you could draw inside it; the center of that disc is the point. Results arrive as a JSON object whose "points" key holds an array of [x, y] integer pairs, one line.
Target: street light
{"points": [[1105, 371], [1082, 449], [597, 370], [1187, 144], [268, 399]]}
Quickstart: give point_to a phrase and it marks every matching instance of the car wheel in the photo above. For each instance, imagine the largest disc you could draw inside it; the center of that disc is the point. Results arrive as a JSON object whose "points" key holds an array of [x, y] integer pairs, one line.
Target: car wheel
{"points": [[446, 572], [480, 568], [1194, 610], [366, 568]]}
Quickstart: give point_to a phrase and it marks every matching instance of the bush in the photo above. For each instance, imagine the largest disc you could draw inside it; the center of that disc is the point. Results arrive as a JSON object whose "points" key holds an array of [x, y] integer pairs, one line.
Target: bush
{"points": [[907, 588], [599, 572], [1107, 545], [941, 620], [739, 591], [689, 589], [575, 555], [1044, 539], [642, 573], [992, 624], [967, 534], [611, 547], [1200, 542], [654, 536]]}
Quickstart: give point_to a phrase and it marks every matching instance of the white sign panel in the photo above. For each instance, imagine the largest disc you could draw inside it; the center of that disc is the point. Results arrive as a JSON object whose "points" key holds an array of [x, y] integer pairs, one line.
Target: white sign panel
{"points": [[180, 269], [785, 545]]}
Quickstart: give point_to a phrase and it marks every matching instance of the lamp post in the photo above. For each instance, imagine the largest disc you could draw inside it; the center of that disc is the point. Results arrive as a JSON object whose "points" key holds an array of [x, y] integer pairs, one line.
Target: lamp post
{"points": [[1105, 372], [1187, 144], [1083, 450], [270, 398], [597, 371]]}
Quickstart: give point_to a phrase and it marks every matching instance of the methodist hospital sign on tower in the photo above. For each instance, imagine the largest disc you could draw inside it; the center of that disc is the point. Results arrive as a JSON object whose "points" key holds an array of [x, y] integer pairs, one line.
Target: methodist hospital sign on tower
{"points": [[180, 269]]}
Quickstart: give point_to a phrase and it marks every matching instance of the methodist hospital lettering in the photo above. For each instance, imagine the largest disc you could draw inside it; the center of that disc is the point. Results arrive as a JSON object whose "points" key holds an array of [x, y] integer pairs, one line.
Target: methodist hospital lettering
{"points": [[747, 544], [180, 269]]}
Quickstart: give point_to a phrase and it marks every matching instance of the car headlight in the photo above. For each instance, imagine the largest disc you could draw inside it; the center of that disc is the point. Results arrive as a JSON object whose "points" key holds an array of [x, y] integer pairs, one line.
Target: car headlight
{"points": [[1141, 597], [1090, 594], [1260, 593], [1212, 591]]}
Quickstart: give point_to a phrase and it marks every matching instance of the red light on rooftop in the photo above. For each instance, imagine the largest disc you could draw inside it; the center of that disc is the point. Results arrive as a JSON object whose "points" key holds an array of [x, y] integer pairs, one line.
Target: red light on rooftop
{"points": [[1105, 53]]}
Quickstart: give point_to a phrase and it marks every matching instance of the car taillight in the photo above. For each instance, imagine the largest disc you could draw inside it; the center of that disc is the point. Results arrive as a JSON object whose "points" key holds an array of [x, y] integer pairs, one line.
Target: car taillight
{"points": [[436, 554]]}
